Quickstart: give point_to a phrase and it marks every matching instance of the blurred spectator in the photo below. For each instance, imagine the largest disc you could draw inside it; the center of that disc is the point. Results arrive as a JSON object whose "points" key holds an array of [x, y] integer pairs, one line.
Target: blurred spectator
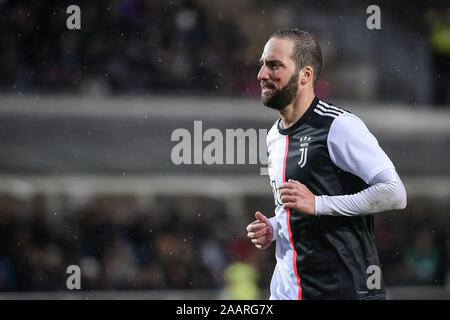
{"points": [[241, 282], [422, 259], [439, 24]]}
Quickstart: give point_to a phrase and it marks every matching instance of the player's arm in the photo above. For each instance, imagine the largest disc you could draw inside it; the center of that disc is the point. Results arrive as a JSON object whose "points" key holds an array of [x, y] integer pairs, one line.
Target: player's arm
{"points": [[386, 192], [353, 149]]}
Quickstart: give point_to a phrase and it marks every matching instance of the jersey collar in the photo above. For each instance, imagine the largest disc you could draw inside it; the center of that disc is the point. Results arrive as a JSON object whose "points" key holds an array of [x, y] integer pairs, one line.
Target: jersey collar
{"points": [[300, 121]]}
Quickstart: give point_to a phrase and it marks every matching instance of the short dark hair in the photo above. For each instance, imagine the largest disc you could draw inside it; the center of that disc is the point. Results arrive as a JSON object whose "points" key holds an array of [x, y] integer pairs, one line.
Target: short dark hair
{"points": [[307, 50]]}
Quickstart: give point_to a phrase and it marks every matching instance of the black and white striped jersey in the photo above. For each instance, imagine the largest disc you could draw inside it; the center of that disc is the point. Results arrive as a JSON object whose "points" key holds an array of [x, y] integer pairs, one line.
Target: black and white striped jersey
{"points": [[331, 152]]}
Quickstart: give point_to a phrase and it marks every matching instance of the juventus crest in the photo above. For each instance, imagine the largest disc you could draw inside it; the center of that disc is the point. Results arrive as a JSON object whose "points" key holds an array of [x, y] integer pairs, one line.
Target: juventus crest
{"points": [[304, 143]]}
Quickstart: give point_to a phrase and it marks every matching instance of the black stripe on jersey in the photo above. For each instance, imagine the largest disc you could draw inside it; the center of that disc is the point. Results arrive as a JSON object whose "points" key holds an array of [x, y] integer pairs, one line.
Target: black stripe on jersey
{"points": [[330, 107], [323, 109]]}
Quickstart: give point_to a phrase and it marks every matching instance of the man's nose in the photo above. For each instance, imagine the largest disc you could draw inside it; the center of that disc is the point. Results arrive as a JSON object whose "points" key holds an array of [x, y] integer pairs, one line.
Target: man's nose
{"points": [[263, 74]]}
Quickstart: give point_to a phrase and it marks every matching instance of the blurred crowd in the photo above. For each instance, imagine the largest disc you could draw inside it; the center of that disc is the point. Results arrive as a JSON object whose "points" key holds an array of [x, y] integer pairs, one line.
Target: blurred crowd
{"points": [[124, 46], [414, 245], [140, 250], [199, 47], [119, 245]]}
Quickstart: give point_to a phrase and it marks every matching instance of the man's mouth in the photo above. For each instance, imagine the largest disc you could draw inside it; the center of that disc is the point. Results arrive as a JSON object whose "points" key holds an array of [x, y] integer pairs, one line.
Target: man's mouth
{"points": [[267, 88]]}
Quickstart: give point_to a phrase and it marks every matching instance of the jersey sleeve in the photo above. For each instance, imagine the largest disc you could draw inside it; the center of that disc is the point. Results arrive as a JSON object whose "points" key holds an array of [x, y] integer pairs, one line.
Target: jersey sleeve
{"points": [[386, 193], [353, 148]]}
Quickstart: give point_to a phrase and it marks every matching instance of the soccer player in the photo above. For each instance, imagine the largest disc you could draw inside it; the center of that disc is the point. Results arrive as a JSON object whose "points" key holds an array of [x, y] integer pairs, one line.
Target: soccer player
{"points": [[329, 176]]}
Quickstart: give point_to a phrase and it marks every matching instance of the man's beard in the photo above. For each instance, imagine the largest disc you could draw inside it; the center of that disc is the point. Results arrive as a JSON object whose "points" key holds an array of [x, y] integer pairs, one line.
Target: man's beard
{"points": [[278, 99]]}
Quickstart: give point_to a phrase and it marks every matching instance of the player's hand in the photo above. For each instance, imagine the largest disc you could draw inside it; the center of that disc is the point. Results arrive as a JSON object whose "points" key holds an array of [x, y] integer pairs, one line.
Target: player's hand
{"points": [[260, 231], [297, 196]]}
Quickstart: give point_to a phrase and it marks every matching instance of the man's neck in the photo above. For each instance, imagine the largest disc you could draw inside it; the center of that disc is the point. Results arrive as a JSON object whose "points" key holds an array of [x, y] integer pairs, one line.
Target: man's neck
{"points": [[294, 111]]}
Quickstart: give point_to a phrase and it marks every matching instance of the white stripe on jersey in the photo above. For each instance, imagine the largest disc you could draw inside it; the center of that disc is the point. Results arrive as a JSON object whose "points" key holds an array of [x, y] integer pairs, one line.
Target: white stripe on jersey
{"points": [[326, 105], [325, 110], [325, 114]]}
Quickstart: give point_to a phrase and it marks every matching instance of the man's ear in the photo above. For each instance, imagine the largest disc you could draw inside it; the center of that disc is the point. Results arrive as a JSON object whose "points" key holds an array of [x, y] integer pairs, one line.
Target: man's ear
{"points": [[306, 75]]}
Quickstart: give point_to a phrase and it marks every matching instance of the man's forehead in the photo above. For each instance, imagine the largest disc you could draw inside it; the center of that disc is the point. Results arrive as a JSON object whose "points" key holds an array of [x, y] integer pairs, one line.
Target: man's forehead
{"points": [[278, 49]]}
